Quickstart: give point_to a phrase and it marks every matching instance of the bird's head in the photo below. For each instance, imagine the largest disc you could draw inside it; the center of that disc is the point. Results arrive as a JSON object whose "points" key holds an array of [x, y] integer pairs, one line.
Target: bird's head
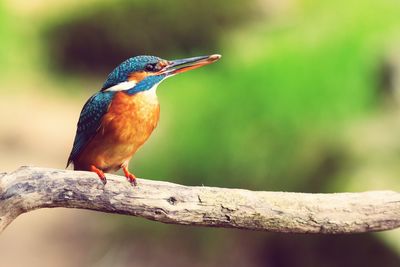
{"points": [[142, 73]]}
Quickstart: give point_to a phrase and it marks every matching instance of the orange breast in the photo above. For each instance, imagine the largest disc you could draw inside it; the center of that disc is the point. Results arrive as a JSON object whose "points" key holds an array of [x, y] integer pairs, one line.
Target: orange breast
{"points": [[126, 126]]}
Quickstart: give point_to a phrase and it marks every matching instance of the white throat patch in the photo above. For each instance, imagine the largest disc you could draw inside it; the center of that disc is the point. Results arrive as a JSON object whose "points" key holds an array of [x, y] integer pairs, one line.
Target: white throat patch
{"points": [[151, 93], [122, 86]]}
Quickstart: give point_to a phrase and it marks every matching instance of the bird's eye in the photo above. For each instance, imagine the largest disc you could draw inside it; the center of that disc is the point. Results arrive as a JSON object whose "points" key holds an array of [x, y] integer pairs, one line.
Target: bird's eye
{"points": [[149, 67]]}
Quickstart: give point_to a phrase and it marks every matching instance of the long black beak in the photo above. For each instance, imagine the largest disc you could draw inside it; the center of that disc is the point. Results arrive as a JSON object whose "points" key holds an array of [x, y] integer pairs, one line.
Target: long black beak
{"points": [[182, 65]]}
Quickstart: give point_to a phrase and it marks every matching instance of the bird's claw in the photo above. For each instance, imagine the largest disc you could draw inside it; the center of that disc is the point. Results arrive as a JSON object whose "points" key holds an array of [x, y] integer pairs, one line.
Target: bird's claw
{"points": [[132, 179], [103, 180], [99, 173], [130, 176]]}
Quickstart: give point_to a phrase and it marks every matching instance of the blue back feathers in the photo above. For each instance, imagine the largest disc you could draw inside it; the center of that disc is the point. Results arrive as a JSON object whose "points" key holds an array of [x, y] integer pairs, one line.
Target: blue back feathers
{"points": [[90, 121]]}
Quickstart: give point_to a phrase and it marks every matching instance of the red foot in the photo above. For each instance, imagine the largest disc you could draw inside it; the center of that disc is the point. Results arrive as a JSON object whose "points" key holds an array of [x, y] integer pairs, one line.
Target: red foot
{"points": [[100, 173], [130, 176]]}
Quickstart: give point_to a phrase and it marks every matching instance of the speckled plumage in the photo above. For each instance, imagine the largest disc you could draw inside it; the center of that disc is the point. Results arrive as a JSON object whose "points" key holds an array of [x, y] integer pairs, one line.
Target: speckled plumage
{"points": [[119, 118], [121, 72], [97, 106]]}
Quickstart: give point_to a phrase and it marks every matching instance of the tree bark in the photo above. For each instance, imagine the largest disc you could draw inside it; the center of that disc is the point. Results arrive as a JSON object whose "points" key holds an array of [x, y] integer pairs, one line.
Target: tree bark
{"points": [[31, 188]]}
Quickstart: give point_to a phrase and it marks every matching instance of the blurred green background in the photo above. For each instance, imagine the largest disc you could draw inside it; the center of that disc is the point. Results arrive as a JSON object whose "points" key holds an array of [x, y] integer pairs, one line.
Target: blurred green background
{"points": [[305, 98]]}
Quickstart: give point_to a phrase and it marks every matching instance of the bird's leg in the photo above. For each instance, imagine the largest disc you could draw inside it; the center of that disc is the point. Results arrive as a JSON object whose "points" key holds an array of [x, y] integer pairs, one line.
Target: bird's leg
{"points": [[130, 176], [100, 173]]}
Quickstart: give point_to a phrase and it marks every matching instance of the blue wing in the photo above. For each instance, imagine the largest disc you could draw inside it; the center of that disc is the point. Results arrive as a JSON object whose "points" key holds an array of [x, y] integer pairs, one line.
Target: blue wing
{"points": [[90, 121]]}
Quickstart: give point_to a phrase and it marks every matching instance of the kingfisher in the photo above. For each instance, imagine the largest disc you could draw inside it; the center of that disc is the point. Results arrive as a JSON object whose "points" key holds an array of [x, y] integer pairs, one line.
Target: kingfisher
{"points": [[116, 121]]}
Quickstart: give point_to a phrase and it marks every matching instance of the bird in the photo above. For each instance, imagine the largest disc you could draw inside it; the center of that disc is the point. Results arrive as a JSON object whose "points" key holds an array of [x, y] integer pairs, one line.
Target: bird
{"points": [[117, 120]]}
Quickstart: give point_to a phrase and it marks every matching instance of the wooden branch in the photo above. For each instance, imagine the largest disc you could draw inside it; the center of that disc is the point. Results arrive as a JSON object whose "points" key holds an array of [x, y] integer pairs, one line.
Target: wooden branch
{"points": [[31, 188]]}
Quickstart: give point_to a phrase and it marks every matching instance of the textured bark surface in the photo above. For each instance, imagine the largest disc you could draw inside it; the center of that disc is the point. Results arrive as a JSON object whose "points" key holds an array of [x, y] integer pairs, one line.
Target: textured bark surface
{"points": [[31, 188]]}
